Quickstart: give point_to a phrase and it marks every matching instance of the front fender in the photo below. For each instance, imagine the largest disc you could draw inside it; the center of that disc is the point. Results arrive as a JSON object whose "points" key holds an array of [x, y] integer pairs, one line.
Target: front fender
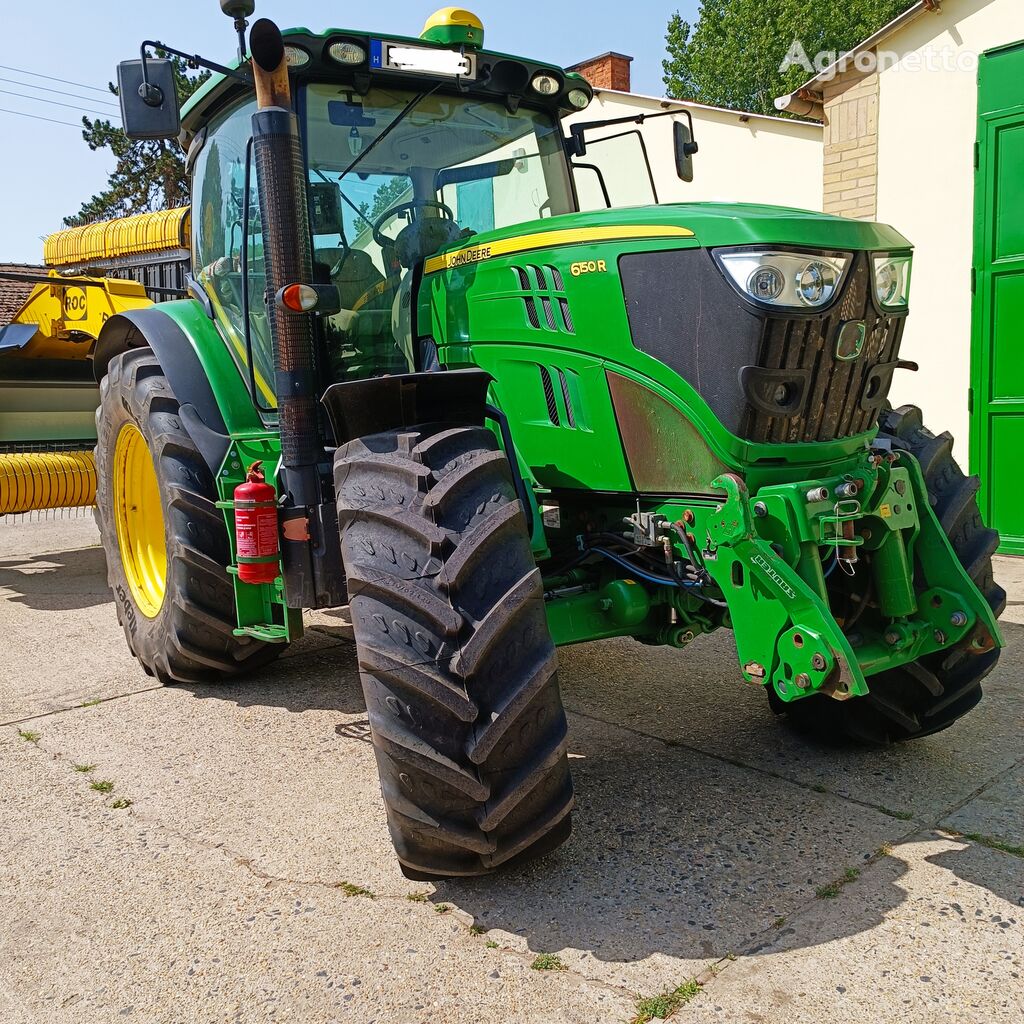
{"points": [[213, 396]]}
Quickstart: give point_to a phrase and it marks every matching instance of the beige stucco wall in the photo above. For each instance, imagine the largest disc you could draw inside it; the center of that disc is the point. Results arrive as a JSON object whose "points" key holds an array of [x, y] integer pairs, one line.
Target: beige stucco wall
{"points": [[758, 160], [926, 134]]}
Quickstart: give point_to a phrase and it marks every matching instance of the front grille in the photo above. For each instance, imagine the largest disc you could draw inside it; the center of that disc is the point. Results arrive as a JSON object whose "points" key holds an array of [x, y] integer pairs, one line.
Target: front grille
{"points": [[839, 397], [769, 378]]}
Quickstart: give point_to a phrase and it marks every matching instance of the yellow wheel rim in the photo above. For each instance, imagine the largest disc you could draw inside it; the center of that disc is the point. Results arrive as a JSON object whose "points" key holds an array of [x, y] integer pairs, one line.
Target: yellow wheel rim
{"points": [[140, 521]]}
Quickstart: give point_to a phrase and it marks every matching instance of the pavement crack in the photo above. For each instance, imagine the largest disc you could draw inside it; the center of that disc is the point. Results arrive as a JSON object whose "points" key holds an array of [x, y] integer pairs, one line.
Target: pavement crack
{"points": [[80, 707]]}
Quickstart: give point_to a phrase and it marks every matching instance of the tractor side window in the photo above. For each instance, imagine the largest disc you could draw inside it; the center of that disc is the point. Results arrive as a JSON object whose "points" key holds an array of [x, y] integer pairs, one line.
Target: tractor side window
{"points": [[614, 172], [217, 235]]}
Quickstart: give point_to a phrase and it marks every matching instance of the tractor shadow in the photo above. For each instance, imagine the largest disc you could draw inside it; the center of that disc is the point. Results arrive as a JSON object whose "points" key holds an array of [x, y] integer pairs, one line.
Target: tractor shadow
{"points": [[708, 843], [57, 580], [675, 856], [318, 672]]}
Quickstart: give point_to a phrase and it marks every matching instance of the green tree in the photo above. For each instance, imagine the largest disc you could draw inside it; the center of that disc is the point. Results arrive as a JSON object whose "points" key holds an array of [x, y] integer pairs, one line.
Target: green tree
{"points": [[148, 175], [386, 195], [734, 55]]}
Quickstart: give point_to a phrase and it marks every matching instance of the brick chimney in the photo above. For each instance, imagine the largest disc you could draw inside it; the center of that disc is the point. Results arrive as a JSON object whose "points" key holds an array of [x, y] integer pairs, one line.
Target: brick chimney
{"points": [[608, 71]]}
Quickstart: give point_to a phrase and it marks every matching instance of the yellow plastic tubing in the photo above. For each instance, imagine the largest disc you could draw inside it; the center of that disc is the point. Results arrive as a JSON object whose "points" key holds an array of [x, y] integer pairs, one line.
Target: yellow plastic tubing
{"points": [[38, 480]]}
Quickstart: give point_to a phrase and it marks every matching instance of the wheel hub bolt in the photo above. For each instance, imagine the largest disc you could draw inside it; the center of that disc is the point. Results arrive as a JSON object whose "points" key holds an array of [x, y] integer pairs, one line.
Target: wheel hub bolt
{"points": [[940, 637], [958, 619], [803, 681], [818, 662], [892, 637], [760, 509], [901, 487]]}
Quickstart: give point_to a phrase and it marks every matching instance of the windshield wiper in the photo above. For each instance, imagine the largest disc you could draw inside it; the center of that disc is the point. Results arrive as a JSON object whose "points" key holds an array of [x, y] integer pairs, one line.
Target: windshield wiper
{"points": [[406, 110]]}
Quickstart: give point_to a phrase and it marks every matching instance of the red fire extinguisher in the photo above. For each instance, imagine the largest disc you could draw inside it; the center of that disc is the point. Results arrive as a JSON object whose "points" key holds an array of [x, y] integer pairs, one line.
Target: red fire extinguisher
{"points": [[256, 528]]}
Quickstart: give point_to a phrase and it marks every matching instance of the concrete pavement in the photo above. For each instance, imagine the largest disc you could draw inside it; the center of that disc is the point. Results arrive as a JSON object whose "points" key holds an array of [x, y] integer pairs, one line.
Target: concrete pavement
{"points": [[239, 869]]}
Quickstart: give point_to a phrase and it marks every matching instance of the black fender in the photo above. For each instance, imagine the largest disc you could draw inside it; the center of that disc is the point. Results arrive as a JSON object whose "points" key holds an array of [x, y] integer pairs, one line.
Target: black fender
{"points": [[360, 407], [150, 328]]}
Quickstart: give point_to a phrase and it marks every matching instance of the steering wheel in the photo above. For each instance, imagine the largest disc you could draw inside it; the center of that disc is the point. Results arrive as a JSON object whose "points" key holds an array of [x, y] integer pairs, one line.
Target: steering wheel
{"points": [[413, 204], [345, 250]]}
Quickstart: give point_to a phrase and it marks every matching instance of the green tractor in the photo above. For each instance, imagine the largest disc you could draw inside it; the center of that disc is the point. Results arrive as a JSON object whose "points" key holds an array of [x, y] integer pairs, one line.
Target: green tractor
{"points": [[493, 424]]}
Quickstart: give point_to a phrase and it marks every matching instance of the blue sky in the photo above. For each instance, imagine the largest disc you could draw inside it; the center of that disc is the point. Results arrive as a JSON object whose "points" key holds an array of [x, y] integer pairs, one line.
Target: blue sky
{"points": [[47, 170]]}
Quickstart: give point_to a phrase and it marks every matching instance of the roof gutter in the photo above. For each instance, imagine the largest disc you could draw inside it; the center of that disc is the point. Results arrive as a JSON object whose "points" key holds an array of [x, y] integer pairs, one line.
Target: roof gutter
{"points": [[807, 100]]}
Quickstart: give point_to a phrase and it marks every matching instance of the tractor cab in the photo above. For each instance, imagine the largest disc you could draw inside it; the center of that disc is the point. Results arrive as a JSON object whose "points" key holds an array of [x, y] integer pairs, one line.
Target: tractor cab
{"points": [[410, 145]]}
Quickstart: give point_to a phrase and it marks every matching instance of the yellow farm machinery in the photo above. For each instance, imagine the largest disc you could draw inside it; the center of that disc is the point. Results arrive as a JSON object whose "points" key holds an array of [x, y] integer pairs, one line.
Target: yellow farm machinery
{"points": [[48, 339]]}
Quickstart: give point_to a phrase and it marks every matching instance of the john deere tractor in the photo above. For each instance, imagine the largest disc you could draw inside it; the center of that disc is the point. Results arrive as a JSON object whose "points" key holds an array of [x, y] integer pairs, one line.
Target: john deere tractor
{"points": [[493, 424]]}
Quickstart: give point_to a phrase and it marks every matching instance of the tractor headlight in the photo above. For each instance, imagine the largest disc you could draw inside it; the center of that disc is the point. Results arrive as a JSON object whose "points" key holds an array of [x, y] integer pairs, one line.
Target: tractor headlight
{"points": [[792, 280], [578, 98], [891, 275], [546, 85], [347, 53]]}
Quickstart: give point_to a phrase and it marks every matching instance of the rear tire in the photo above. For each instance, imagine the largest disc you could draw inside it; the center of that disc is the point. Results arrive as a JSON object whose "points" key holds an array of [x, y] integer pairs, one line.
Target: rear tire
{"points": [[928, 695], [181, 633], [457, 664]]}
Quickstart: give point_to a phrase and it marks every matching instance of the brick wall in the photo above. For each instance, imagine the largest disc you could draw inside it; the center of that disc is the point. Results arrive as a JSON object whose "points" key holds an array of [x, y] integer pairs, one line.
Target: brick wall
{"points": [[609, 71], [851, 145]]}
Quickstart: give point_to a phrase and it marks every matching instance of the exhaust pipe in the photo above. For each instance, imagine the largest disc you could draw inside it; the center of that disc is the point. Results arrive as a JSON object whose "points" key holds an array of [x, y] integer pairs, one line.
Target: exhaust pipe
{"points": [[310, 546]]}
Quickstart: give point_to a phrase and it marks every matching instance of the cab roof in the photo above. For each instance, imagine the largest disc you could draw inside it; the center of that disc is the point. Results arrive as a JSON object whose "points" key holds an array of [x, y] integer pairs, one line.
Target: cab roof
{"points": [[498, 75]]}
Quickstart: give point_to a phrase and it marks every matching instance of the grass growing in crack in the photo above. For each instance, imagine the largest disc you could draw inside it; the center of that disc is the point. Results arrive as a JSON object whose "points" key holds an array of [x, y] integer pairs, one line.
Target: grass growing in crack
{"points": [[665, 1004], [885, 850], [902, 815], [778, 922], [442, 908], [476, 929], [83, 768], [102, 785], [91, 703], [548, 962], [818, 788], [349, 889], [832, 890], [121, 803], [30, 737], [417, 897], [491, 944], [994, 844]]}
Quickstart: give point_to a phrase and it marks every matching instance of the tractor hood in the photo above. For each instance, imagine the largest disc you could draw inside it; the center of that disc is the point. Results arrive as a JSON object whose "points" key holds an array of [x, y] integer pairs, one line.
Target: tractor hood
{"points": [[709, 225]]}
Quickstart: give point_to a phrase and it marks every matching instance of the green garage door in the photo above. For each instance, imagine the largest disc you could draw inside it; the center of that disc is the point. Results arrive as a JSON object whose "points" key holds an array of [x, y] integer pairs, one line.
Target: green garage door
{"points": [[997, 361]]}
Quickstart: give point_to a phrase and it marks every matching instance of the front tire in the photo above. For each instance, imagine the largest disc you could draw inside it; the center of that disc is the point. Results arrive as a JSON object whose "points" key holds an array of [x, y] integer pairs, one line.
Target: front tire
{"points": [[929, 695], [457, 665], [165, 541]]}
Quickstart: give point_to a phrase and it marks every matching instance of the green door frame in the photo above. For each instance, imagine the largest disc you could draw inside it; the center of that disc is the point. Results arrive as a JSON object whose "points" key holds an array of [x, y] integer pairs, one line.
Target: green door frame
{"points": [[997, 83]]}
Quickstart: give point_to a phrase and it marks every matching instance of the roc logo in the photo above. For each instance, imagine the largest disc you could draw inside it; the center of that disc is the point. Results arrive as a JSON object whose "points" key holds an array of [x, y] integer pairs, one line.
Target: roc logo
{"points": [[850, 339], [74, 304]]}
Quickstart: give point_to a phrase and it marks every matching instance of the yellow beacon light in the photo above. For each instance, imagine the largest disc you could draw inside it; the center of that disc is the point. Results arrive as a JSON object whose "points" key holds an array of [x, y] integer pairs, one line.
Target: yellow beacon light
{"points": [[454, 26]]}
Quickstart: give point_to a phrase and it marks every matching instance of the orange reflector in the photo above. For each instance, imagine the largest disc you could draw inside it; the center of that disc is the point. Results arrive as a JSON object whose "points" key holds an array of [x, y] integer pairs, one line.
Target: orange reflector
{"points": [[299, 298]]}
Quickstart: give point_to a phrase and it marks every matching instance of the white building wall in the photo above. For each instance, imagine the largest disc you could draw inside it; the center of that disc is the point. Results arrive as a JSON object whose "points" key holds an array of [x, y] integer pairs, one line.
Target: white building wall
{"points": [[742, 158], [927, 129]]}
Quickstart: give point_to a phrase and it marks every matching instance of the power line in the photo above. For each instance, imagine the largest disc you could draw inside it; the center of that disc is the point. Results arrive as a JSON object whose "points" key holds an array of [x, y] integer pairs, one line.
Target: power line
{"points": [[39, 117], [59, 92], [50, 78], [56, 103]]}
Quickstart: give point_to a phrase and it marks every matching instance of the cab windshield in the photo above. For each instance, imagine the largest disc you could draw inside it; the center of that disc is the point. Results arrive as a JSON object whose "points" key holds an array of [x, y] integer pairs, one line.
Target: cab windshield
{"points": [[393, 177]]}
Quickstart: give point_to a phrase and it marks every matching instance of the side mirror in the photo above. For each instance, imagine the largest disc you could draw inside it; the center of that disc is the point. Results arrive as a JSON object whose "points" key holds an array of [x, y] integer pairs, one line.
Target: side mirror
{"points": [[325, 208], [149, 100], [685, 147]]}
